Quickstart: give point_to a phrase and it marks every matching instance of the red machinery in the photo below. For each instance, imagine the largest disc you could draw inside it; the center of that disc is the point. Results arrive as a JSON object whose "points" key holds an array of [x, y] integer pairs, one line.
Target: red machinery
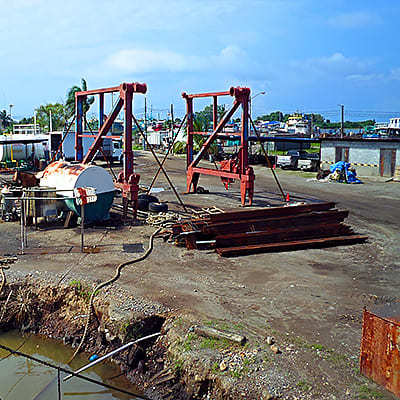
{"points": [[230, 169], [127, 180]]}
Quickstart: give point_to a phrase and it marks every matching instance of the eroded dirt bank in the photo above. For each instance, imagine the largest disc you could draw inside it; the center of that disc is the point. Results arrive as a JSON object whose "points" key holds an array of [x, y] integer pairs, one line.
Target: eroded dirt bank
{"points": [[180, 364]]}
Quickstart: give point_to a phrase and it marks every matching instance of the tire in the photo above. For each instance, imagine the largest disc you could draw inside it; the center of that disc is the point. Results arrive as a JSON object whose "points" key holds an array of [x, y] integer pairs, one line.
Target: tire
{"points": [[158, 207], [148, 197], [143, 205]]}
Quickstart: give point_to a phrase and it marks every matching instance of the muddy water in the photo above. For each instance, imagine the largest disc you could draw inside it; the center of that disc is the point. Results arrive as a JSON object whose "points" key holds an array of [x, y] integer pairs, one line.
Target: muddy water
{"points": [[22, 379]]}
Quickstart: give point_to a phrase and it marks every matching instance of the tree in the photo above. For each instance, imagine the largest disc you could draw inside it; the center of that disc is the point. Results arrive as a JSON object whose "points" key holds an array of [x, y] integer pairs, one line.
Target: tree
{"points": [[5, 119], [203, 119], [70, 102], [27, 120], [274, 116], [57, 116]]}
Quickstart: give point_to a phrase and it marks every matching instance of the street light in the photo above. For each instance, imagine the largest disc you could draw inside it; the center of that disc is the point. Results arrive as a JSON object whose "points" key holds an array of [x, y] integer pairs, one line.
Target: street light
{"points": [[251, 99], [11, 106]]}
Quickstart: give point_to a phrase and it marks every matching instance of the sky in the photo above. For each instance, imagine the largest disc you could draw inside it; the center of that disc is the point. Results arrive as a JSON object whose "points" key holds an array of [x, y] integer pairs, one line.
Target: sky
{"points": [[306, 55]]}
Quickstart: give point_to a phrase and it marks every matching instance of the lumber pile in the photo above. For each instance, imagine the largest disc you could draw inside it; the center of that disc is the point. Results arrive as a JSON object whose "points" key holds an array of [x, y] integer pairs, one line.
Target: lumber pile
{"points": [[268, 230]]}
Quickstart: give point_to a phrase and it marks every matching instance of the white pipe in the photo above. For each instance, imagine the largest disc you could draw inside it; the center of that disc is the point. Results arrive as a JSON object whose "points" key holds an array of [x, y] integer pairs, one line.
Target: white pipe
{"points": [[125, 346]]}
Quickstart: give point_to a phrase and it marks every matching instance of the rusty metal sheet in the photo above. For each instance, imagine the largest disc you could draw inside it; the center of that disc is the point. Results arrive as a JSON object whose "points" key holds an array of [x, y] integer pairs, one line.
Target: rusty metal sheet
{"points": [[380, 346]]}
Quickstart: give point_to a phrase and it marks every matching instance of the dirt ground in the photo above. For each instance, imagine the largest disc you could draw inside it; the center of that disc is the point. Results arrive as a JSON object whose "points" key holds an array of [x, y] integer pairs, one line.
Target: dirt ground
{"points": [[311, 301]]}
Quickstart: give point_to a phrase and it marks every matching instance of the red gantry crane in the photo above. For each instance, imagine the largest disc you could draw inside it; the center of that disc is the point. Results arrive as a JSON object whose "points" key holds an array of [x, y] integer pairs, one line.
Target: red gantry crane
{"points": [[231, 169], [127, 181]]}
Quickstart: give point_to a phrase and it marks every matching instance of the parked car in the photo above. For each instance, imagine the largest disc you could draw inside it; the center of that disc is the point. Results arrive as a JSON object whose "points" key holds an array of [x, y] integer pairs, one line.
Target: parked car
{"points": [[295, 159]]}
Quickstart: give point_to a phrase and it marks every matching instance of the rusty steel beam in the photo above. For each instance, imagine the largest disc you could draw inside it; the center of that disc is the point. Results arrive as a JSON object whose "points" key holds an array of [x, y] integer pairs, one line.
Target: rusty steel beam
{"points": [[283, 234], [134, 87], [211, 94], [291, 245], [260, 224], [269, 212]]}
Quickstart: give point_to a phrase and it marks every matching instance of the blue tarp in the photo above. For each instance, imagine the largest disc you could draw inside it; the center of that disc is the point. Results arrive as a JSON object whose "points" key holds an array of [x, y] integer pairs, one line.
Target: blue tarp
{"points": [[349, 176]]}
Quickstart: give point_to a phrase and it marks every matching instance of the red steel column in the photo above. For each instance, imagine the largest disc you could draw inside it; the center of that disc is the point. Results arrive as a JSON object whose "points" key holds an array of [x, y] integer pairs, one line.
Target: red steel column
{"points": [[127, 94], [244, 157], [215, 112], [189, 149]]}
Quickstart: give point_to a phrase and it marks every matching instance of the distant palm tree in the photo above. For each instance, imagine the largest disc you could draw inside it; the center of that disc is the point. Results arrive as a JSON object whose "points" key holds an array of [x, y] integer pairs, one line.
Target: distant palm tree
{"points": [[5, 119], [70, 102]]}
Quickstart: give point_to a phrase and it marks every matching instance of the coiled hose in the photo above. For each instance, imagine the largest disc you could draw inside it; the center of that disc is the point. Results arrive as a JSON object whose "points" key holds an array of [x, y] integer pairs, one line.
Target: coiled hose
{"points": [[109, 282]]}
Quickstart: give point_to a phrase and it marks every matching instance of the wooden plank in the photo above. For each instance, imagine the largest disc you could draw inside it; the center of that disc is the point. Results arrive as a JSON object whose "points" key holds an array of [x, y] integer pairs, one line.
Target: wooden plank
{"points": [[292, 245], [267, 212], [283, 234]]}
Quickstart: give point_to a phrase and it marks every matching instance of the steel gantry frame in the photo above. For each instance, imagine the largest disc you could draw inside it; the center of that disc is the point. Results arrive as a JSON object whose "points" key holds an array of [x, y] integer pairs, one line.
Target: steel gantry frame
{"points": [[231, 169], [127, 181]]}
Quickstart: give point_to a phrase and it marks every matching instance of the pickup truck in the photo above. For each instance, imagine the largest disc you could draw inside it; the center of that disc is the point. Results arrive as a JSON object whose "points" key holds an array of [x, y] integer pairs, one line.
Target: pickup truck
{"points": [[298, 159], [310, 164]]}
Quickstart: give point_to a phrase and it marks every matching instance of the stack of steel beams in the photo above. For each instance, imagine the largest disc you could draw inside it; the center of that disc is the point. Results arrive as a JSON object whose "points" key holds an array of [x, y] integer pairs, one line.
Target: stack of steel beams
{"points": [[270, 229]]}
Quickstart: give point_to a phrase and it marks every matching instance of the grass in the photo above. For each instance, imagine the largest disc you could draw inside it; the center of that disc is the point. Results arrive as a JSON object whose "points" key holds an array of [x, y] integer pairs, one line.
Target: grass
{"points": [[178, 367], [215, 368], [364, 392], [327, 354], [304, 386], [211, 343], [187, 344], [83, 290]]}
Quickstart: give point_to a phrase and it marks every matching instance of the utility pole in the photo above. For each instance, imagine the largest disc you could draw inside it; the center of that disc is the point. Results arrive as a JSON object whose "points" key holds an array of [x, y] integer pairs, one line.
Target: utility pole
{"points": [[35, 122], [145, 122], [172, 121], [50, 123], [342, 121]]}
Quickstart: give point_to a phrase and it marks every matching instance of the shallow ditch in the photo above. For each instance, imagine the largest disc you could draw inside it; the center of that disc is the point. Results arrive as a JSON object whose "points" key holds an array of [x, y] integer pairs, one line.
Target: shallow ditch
{"points": [[160, 367]]}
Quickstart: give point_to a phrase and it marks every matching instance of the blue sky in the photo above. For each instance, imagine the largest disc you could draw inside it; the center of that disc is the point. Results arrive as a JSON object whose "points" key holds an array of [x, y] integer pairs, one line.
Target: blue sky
{"points": [[308, 55]]}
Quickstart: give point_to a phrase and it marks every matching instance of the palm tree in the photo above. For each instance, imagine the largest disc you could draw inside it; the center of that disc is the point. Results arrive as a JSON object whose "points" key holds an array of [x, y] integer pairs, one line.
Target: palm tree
{"points": [[5, 119], [70, 102]]}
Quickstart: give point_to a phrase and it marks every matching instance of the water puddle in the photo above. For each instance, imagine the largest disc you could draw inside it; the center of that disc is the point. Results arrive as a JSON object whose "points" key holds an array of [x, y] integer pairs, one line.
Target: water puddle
{"points": [[21, 378]]}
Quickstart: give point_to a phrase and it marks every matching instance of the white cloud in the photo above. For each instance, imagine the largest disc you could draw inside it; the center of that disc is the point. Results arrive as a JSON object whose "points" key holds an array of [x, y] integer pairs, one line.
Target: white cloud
{"points": [[355, 19], [364, 77], [136, 60], [140, 60], [337, 63], [392, 75]]}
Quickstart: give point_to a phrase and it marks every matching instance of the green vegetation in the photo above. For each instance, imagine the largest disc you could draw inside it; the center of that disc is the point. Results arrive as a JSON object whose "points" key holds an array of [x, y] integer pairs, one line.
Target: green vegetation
{"points": [[187, 344], [211, 343], [304, 386], [215, 368], [70, 102], [5, 119], [179, 148], [318, 120], [178, 367], [82, 290], [364, 392], [57, 111], [241, 371]]}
